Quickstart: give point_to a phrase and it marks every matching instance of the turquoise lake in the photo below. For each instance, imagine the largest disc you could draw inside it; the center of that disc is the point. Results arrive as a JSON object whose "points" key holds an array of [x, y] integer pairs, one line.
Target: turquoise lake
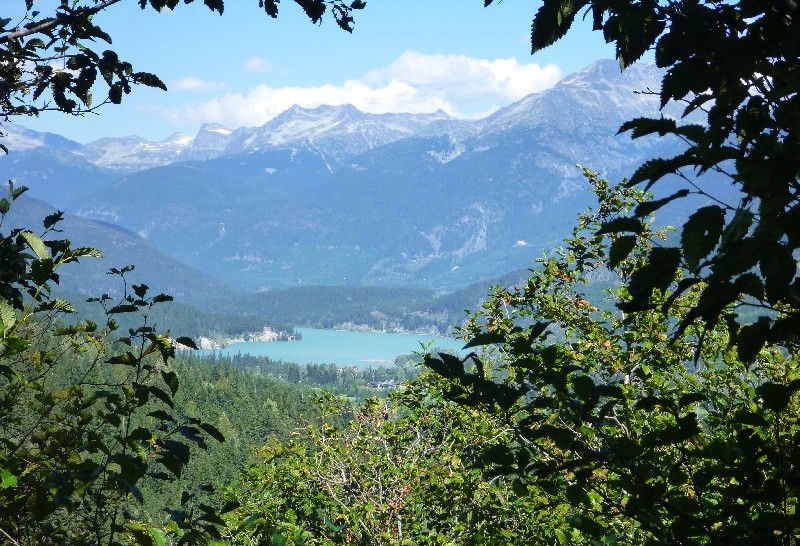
{"points": [[341, 348]]}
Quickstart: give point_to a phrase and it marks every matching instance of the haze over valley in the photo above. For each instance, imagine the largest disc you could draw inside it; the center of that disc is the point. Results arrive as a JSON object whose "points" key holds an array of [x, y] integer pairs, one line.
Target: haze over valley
{"points": [[406, 218]]}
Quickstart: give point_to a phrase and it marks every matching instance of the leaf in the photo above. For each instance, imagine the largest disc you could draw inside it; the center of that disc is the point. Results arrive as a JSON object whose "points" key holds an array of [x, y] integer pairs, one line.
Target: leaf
{"points": [[624, 224], [778, 267], [584, 387], [115, 93], [657, 273], [640, 127], [446, 365], [57, 304], [251, 521], [621, 247], [85, 252], [16, 192], [161, 395], [750, 418], [315, 9], [7, 315], [774, 395], [159, 539], [127, 359], [586, 525], [43, 271], [751, 339], [123, 308], [5, 206], [701, 234], [552, 21], [691, 398], [655, 169], [171, 379], [688, 426], [737, 228], [52, 219], [149, 80], [140, 290], [648, 207], [212, 431], [577, 495], [186, 342], [36, 244], [161, 415], [174, 455], [485, 338], [7, 479], [562, 437], [162, 298]]}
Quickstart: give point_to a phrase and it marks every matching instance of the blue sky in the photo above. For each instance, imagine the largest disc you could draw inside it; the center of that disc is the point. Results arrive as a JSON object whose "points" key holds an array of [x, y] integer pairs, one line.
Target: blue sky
{"points": [[243, 68]]}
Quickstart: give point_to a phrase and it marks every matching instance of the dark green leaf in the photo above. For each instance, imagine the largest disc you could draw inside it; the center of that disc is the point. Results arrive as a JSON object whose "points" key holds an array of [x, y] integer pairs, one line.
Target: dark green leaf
{"points": [[701, 234], [123, 308], [446, 365], [161, 415], [774, 395], [162, 298], [127, 359], [485, 338], [640, 127], [213, 432], [691, 398], [161, 395], [648, 207], [552, 21], [150, 80], [624, 224], [658, 273], [186, 342], [171, 379], [752, 338], [655, 169], [621, 247], [778, 267], [577, 495], [52, 219]]}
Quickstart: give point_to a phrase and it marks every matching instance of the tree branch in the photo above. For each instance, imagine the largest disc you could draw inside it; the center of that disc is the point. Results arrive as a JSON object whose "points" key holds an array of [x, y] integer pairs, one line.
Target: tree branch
{"points": [[60, 19]]}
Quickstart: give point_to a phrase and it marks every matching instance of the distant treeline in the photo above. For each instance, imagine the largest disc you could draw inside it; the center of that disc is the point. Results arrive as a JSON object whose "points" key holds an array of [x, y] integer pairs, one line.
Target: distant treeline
{"points": [[342, 307]]}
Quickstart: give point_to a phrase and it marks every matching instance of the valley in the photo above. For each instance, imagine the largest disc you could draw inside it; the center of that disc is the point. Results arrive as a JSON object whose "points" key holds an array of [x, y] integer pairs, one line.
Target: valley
{"points": [[334, 218]]}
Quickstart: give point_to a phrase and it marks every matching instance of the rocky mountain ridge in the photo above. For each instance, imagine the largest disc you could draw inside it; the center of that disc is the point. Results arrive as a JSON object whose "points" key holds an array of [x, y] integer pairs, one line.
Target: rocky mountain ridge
{"points": [[335, 196]]}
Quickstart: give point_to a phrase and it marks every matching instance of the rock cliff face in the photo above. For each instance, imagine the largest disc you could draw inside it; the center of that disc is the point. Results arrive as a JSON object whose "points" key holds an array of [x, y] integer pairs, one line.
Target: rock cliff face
{"points": [[333, 195]]}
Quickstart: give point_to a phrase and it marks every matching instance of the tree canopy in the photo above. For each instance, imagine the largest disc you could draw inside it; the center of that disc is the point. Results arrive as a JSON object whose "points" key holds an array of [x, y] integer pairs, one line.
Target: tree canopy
{"points": [[674, 419], [88, 418], [735, 68]]}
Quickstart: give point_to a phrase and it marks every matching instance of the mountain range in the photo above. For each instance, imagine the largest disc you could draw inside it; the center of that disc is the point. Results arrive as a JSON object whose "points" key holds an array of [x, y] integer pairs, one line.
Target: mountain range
{"points": [[336, 196]]}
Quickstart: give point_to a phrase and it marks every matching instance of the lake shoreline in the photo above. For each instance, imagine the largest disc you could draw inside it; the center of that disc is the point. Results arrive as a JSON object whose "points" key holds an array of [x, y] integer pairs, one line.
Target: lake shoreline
{"points": [[269, 335], [341, 347]]}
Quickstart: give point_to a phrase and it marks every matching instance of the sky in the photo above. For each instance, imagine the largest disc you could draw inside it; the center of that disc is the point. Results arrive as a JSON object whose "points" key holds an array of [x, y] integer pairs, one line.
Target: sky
{"points": [[244, 68]]}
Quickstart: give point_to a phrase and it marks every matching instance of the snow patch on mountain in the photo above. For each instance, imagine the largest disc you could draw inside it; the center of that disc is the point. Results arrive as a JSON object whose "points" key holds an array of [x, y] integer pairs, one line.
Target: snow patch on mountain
{"points": [[134, 153]]}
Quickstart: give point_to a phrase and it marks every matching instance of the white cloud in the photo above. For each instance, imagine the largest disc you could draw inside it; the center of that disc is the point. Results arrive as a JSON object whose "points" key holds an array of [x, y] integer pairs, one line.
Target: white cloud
{"points": [[466, 80], [196, 85], [415, 83], [257, 64]]}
